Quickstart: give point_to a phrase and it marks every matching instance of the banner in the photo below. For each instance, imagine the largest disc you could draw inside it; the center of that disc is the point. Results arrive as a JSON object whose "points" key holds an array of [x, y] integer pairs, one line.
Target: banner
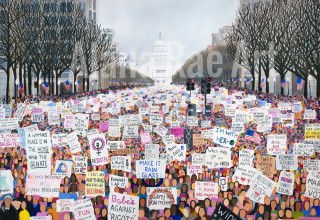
{"points": [[277, 144], [37, 115], [38, 147], [81, 123], [312, 132], [6, 180], [222, 212], [287, 162], [9, 123], [160, 198], [260, 187], [121, 163], [98, 149], [43, 185], [117, 181], [218, 157], [177, 151], [73, 142], [83, 210], [285, 183], [151, 151], [224, 137], [205, 190], [194, 169], [69, 121], [313, 186], [123, 206], [246, 157], [80, 164], [301, 149], [150, 169], [10, 140], [95, 184]]}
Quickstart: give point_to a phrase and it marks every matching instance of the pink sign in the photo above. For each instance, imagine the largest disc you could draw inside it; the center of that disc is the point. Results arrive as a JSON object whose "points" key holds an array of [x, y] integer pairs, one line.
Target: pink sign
{"points": [[37, 111], [146, 138], [177, 132], [104, 126]]}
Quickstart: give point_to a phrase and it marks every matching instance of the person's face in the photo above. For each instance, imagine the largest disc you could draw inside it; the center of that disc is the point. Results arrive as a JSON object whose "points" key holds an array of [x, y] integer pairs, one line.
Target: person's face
{"points": [[261, 209], [23, 205], [143, 190], [313, 212], [298, 206], [306, 205], [202, 212], [167, 213], [288, 214], [141, 213]]}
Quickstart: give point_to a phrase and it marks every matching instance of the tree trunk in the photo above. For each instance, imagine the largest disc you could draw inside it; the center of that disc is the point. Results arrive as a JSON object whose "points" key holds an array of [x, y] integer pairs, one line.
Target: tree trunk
{"points": [[20, 80], [74, 82], [83, 84], [7, 88], [305, 89], [88, 85], [282, 78], [57, 85], [318, 85], [14, 82], [259, 79], [30, 80], [49, 80], [25, 80], [38, 78], [253, 82]]}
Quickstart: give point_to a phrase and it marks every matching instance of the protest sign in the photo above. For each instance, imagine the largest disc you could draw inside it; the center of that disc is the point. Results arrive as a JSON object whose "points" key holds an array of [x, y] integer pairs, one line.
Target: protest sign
{"points": [[309, 114], [223, 183], [95, 117], [123, 206], [316, 145], [38, 147], [37, 115], [131, 131], [287, 162], [169, 139], [117, 181], [246, 157], [160, 198], [9, 123], [266, 164], [194, 169], [205, 124], [192, 121], [43, 185], [64, 205], [198, 159], [160, 130], [198, 140], [188, 138], [148, 169], [98, 149], [63, 168], [59, 139], [155, 119], [241, 117], [260, 187], [127, 151], [144, 111], [40, 218], [312, 186], [265, 124], [151, 151], [231, 112], [8, 110], [54, 119], [176, 151], [222, 212], [114, 128], [296, 107], [285, 183], [73, 142], [177, 132], [284, 106], [80, 164], [130, 120], [69, 121], [94, 184], [19, 114], [115, 145], [311, 165], [218, 157], [276, 144], [301, 149], [6, 182], [145, 138], [205, 190], [312, 132], [81, 123], [224, 137], [83, 210], [121, 163], [245, 175], [9, 140], [207, 134], [103, 126]]}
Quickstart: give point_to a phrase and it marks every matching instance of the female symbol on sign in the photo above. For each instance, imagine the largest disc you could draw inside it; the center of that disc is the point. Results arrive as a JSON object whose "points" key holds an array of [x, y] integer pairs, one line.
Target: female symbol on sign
{"points": [[98, 145]]}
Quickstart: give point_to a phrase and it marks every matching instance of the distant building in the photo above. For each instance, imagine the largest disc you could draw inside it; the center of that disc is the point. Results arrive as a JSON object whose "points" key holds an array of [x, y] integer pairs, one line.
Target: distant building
{"points": [[220, 37], [127, 60], [89, 7], [160, 66], [245, 3]]}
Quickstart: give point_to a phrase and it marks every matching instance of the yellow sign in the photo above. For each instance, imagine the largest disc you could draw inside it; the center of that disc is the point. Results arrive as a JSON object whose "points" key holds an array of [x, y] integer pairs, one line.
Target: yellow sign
{"points": [[312, 132]]}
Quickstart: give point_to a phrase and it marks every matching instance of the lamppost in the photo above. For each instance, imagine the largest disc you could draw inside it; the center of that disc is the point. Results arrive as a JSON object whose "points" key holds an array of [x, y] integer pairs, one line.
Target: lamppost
{"points": [[287, 80], [274, 85]]}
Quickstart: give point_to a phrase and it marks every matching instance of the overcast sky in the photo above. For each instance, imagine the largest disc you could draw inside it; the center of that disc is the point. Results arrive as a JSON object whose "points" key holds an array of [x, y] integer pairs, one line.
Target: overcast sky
{"points": [[187, 24]]}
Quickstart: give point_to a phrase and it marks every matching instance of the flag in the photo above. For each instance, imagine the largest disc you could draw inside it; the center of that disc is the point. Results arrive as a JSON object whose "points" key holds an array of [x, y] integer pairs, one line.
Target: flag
{"points": [[263, 83], [235, 80], [21, 88], [67, 85], [45, 87], [300, 83], [283, 83], [252, 136], [248, 81], [78, 84]]}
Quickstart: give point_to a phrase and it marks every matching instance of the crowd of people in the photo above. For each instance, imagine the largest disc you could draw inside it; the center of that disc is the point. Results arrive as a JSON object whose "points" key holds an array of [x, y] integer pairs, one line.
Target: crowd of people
{"points": [[21, 206]]}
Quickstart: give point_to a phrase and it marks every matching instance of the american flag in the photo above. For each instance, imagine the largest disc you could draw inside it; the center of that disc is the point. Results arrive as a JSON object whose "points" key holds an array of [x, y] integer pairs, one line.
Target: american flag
{"points": [[78, 84], [67, 85], [248, 81], [300, 83], [263, 83], [45, 87], [21, 88], [235, 80], [252, 136], [283, 83]]}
